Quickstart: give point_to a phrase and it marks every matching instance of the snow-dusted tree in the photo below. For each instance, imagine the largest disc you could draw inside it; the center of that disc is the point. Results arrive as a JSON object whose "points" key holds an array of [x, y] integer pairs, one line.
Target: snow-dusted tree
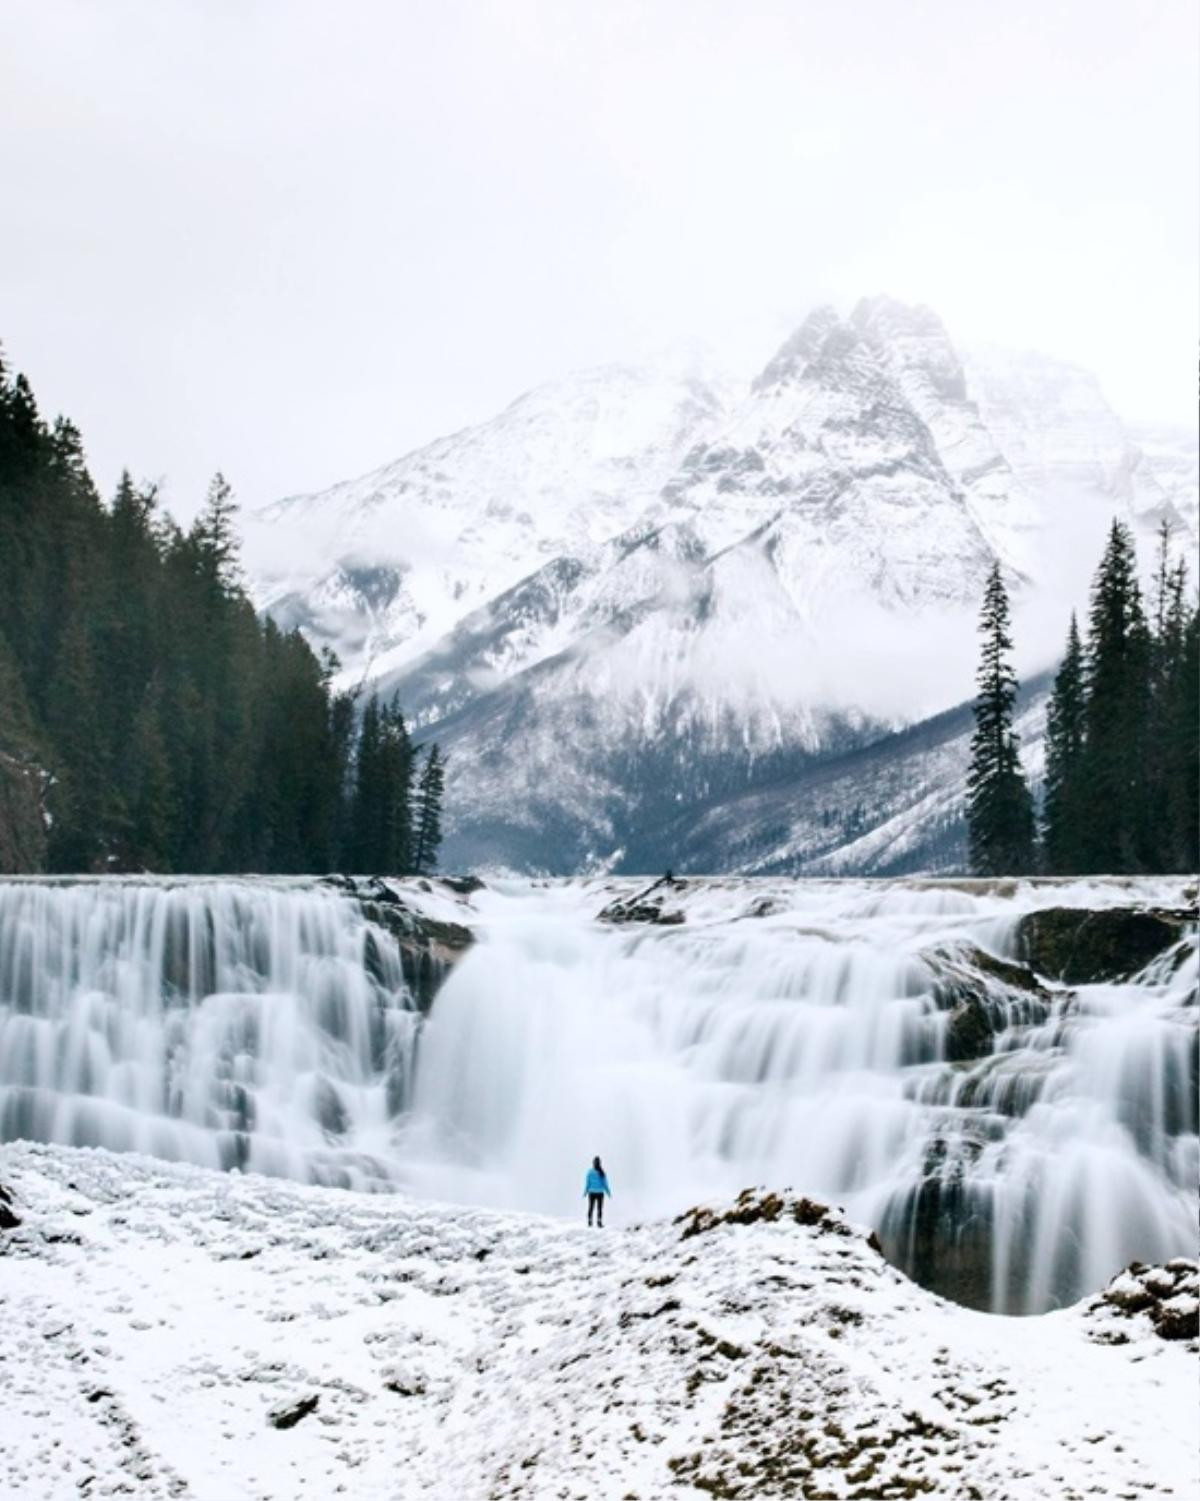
{"points": [[1000, 819]]}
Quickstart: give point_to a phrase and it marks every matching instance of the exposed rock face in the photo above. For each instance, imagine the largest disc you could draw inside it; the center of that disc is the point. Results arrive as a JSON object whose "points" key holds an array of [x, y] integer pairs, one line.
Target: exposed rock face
{"points": [[8, 1218], [983, 995], [429, 946], [1080, 947], [1168, 1296], [647, 906]]}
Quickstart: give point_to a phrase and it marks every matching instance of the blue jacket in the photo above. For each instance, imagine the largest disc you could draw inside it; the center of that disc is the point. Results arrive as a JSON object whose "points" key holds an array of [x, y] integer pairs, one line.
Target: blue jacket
{"points": [[597, 1183]]}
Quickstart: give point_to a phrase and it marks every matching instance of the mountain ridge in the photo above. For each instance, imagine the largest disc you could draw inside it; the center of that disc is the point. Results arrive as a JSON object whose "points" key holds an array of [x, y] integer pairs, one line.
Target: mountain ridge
{"points": [[712, 587]]}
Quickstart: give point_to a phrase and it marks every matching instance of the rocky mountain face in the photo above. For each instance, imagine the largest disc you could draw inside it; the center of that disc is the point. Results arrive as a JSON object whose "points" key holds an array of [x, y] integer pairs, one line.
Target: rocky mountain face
{"points": [[634, 599], [380, 565]]}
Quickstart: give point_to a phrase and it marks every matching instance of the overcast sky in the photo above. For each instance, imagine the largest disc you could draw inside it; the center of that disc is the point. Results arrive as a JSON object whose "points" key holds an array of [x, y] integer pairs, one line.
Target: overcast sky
{"points": [[294, 239]]}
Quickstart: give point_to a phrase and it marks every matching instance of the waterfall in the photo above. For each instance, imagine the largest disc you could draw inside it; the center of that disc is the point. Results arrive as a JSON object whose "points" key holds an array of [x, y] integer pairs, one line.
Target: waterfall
{"points": [[1013, 1142], [810, 1048], [250, 1024]]}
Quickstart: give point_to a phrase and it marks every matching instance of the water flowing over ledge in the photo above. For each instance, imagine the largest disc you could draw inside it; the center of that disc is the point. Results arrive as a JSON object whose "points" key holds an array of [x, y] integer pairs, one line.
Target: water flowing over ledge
{"points": [[907, 1049], [267, 1025]]}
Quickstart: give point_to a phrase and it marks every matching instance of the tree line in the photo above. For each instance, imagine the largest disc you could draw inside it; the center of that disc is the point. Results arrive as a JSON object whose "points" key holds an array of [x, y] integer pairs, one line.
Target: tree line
{"points": [[1122, 754], [150, 720]]}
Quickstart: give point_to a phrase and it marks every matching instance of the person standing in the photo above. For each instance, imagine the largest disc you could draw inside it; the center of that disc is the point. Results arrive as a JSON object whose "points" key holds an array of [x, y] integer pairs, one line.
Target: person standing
{"points": [[594, 1190]]}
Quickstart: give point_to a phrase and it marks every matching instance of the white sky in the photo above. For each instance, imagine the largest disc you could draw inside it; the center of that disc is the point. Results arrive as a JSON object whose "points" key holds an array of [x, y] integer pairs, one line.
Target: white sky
{"points": [[294, 239]]}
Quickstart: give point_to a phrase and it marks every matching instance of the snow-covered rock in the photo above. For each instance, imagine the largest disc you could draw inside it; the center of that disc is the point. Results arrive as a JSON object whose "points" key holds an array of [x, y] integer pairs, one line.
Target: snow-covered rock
{"points": [[171, 1332]]}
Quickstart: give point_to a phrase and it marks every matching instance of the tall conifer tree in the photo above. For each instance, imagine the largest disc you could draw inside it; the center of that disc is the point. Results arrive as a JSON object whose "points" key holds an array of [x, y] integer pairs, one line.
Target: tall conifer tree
{"points": [[1063, 834], [430, 789], [1000, 819], [1113, 785]]}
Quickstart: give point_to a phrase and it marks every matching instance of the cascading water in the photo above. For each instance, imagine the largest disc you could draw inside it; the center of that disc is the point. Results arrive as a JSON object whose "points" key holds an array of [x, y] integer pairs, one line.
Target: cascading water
{"points": [[259, 1025], [812, 1048], [1013, 1143]]}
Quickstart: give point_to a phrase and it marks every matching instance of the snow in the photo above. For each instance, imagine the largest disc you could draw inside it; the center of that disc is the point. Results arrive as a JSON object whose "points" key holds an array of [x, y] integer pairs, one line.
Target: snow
{"points": [[156, 1316], [565, 466]]}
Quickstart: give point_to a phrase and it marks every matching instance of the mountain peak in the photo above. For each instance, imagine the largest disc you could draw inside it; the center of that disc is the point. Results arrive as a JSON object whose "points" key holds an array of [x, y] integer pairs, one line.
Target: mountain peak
{"points": [[882, 316], [800, 349]]}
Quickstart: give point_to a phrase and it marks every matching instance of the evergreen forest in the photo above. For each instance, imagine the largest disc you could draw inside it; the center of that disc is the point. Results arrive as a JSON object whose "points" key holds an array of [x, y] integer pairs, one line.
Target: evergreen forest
{"points": [[150, 719], [1122, 732]]}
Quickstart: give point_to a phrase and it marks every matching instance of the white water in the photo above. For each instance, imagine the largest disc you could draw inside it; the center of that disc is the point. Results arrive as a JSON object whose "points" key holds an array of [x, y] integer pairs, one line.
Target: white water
{"points": [[267, 1025], [805, 1049], [262, 1025]]}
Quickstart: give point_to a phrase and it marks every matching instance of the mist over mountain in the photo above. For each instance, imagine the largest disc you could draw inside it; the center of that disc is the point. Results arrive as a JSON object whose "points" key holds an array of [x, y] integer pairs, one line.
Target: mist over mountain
{"points": [[640, 596]]}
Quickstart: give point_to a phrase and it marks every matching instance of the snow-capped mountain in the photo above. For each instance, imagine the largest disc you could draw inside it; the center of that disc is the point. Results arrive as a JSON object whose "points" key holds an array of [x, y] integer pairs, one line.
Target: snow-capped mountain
{"points": [[634, 595], [383, 563]]}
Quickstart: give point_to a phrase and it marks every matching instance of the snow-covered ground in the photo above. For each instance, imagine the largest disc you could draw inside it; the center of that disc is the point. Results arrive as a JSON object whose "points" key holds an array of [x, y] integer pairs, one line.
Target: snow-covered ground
{"points": [[160, 1323]]}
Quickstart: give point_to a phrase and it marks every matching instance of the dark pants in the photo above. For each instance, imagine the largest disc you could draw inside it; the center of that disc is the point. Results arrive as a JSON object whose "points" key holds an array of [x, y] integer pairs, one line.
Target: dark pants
{"points": [[596, 1207]]}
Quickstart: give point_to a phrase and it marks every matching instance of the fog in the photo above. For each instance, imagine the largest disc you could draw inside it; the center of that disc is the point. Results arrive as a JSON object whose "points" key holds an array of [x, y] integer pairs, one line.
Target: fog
{"points": [[295, 240]]}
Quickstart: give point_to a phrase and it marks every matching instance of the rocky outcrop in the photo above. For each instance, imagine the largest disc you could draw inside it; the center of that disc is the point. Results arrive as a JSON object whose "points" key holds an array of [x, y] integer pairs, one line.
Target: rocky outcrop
{"points": [[983, 995], [648, 906], [288, 1416], [760, 1206], [1081, 947], [939, 1230], [429, 946], [9, 1219], [1168, 1296]]}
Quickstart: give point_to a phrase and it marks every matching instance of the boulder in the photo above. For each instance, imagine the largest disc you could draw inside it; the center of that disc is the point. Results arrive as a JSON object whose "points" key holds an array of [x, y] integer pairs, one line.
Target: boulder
{"points": [[1166, 1295], [9, 1220], [1081, 947], [291, 1413], [648, 906]]}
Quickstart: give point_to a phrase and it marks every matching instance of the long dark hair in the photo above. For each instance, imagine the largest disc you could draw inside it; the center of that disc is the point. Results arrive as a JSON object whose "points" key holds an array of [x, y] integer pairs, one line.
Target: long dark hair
{"points": [[598, 1166]]}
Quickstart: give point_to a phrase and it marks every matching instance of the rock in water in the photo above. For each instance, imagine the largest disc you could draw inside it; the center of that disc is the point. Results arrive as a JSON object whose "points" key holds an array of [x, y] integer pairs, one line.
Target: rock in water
{"points": [[1081, 947]]}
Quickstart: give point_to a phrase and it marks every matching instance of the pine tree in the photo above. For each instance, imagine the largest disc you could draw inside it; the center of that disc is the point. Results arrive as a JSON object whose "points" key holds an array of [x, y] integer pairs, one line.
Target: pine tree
{"points": [[366, 844], [1180, 722], [1000, 819], [148, 796], [1062, 834], [430, 789], [395, 817], [1113, 791]]}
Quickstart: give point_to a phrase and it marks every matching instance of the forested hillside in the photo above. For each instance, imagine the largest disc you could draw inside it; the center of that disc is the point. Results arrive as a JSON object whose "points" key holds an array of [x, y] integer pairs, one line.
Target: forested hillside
{"points": [[149, 720]]}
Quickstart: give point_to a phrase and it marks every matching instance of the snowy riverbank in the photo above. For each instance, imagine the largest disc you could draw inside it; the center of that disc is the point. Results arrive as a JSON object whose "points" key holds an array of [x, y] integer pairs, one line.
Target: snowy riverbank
{"points": [[158, 1321]]}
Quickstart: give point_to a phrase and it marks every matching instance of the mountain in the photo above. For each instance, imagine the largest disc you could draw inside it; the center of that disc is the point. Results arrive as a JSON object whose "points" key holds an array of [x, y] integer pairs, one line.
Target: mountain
{"points": [[658, 605], [394, 558]]}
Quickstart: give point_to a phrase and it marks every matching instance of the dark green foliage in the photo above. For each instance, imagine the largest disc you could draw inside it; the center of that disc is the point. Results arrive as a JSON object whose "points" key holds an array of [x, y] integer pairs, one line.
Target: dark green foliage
{"points": [[393, 822], [1000, 819], [1113, 766], [1063, 840], [428, 832], [149, 720], [1122, 759]]}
